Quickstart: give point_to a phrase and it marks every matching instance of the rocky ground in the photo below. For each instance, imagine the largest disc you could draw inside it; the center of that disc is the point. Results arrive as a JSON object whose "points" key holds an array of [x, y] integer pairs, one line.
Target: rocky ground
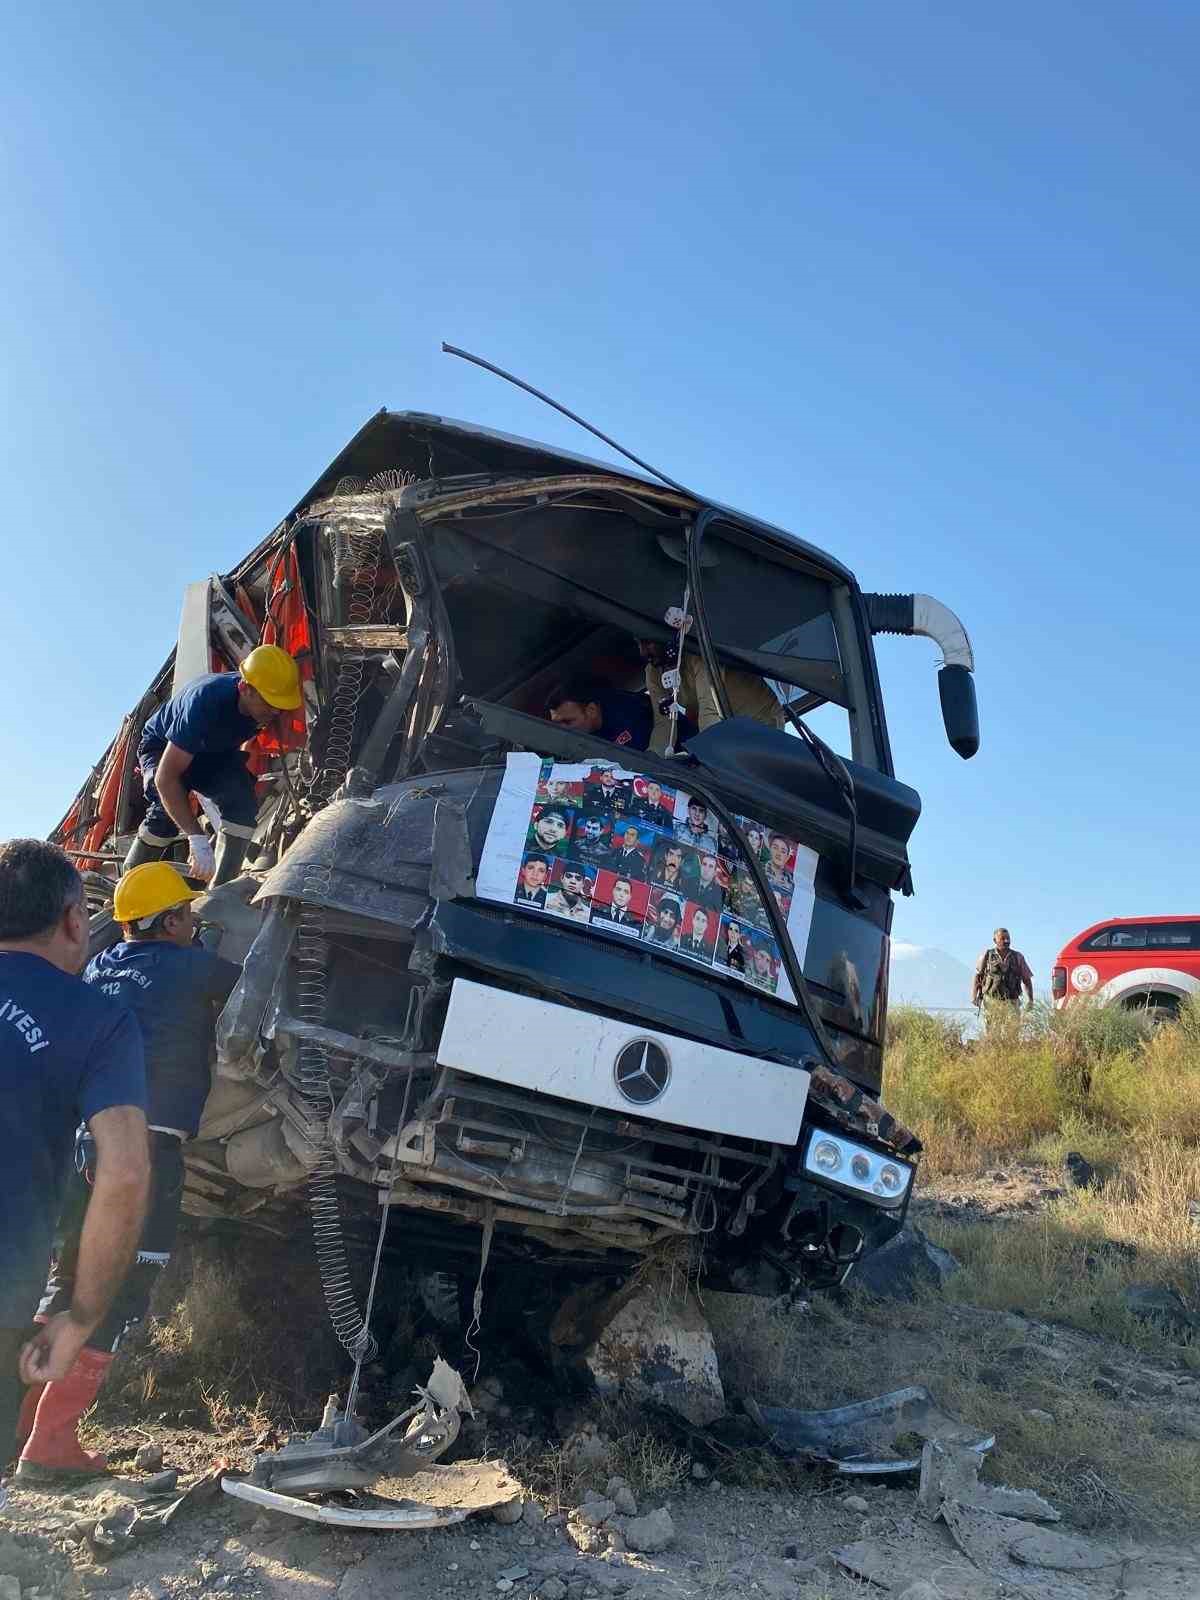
{"points": [[672, 1511]]}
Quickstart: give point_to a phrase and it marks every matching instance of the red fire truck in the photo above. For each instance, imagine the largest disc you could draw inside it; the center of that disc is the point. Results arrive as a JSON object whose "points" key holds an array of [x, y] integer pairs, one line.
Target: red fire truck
{"points": [[1150, 963]]}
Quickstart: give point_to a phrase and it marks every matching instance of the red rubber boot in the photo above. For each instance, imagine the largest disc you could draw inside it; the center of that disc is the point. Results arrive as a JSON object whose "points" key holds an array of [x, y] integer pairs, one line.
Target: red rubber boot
{"points": [[29, 1403], [52, 1452], [29, 1407]]}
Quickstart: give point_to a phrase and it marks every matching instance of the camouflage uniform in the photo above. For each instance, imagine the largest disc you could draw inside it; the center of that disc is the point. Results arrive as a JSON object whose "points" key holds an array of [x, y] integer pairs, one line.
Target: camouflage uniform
{"points": [[748, 697], [999, 979]]}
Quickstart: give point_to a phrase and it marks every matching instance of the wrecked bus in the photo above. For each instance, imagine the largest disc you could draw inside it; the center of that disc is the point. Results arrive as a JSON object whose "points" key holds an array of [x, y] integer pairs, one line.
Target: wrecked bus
{"points": [[461, 993]]}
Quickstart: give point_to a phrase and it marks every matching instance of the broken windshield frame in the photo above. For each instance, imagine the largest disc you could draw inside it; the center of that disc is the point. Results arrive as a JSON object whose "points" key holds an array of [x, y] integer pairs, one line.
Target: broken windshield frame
{"points": [[421, 698]]}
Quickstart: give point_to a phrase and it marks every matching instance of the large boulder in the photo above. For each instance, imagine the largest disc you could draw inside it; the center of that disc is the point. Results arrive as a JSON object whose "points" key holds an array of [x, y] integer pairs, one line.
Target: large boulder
{"points": [[654, 1343], [905, 1265]]}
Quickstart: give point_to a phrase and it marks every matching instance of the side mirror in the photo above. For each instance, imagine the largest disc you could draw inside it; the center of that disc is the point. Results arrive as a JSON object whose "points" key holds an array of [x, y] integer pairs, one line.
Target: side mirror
{"points": [[960, 713]]}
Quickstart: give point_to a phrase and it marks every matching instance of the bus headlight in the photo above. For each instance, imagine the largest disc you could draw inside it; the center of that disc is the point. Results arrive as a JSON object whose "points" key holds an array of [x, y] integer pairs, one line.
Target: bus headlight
{"points": [[825, 1156], [846, 1165]]}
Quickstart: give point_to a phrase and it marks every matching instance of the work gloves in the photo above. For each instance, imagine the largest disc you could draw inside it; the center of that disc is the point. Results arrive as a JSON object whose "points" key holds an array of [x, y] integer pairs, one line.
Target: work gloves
{"points": [[201, 862]]}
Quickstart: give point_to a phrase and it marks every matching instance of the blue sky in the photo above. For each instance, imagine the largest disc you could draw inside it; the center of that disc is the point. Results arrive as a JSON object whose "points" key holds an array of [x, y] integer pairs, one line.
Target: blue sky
{"points": [[917, 281]]}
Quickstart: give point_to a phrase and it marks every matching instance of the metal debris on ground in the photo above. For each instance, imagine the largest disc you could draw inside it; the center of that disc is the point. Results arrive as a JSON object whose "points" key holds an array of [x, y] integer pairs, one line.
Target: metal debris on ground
{"points": [[437, 1497], [342, 1458], [951, 1472], [861, 1439]]}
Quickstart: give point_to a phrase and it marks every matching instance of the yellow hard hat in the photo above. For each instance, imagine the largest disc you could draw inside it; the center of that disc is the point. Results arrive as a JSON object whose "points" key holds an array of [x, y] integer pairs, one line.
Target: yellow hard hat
{"points": [[145, 891], [275, 675]]}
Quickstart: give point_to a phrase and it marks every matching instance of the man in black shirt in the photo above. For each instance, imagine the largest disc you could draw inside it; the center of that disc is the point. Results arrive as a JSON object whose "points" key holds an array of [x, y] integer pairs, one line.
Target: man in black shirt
{"points": [[585, 705]]}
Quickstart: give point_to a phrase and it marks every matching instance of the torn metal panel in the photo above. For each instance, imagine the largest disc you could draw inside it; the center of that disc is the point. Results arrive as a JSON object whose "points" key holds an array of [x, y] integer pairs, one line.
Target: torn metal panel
{"points": [[861, 1438], [382, 1519], [951, 1472], [452, 867]]}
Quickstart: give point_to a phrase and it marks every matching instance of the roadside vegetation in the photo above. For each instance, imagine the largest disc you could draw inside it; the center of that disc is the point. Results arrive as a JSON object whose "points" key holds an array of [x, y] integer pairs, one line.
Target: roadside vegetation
{"points": [[1096, 1080]]}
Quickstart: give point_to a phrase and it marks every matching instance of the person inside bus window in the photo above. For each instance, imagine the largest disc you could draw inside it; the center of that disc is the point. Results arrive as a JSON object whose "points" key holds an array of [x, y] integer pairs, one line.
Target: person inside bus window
{"points": [[585, 705], [748, 695]]}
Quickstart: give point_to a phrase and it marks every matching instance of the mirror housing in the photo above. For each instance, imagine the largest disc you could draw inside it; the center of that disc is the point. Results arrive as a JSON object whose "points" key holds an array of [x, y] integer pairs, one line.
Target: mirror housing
{"points": [[960, 712]]}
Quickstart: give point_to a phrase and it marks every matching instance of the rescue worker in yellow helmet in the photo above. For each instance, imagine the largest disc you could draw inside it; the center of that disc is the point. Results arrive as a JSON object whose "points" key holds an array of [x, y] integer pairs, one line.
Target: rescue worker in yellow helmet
{"points": [[193, 745], [175, 989]]}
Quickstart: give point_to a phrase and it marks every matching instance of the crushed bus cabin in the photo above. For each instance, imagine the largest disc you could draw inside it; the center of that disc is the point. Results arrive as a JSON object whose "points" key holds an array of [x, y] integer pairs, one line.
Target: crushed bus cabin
{"points": [[554, 998]]}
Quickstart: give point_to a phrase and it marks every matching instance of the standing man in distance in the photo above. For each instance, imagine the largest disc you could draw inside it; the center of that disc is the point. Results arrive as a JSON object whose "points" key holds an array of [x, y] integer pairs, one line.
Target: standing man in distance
{"points": [[1000, 975], [67, 1055], [193, 745], [174, 989]]}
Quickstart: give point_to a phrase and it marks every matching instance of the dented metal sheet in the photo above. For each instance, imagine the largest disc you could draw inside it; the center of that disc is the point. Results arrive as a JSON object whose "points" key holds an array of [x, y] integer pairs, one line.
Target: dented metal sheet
{"points": [[437, 1497], [862, 1438]]}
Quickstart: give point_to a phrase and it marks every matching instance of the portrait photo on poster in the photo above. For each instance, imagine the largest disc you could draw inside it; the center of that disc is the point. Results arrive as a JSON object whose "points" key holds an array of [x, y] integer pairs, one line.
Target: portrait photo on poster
{"points": [[619, 903], [621, 853]]}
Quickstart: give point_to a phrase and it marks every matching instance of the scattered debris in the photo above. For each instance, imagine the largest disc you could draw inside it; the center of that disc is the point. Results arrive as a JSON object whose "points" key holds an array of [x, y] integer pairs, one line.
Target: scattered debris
{"points": [[952, 1473], [436, 1497], [906, 1264], [860, 1438]]}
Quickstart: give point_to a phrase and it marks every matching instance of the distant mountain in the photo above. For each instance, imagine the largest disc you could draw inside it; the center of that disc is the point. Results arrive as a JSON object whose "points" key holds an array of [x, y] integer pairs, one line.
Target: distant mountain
{"points": [[924, 976]]}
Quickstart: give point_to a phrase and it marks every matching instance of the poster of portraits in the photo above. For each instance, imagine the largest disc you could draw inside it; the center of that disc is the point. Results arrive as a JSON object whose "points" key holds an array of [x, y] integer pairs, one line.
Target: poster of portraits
{"points": [[629, 857]]}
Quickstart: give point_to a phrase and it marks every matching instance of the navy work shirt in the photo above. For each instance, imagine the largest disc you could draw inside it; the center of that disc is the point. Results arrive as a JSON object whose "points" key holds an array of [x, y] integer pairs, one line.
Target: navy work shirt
{"points": [[171, 990], [204, 719], [625, 718], [65, 1054]]}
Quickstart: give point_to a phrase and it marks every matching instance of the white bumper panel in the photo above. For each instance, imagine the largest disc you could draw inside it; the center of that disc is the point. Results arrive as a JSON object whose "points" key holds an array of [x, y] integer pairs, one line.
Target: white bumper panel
{"points": [[573, 1055]]}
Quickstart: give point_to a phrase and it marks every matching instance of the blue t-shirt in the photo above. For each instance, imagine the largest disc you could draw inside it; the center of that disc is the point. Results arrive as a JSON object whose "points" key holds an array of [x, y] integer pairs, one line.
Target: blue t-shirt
{"points": [[65, 1054], [204, 719], [174, 991]]}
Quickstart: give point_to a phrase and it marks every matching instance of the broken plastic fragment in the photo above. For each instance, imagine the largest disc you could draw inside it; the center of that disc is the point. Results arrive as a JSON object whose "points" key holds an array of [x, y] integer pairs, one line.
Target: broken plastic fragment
{"points": [[861, 1438]]}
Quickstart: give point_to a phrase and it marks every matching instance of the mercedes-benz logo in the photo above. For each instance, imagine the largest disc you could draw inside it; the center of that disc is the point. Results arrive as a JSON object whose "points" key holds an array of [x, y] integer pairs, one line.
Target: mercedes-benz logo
{"points": [[642, 1071]]}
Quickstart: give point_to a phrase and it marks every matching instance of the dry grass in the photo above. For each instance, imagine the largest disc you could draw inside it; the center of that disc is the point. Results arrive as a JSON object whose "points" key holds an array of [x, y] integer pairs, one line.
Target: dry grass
{"points": [[230, 1345], [1096, 1079]]}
